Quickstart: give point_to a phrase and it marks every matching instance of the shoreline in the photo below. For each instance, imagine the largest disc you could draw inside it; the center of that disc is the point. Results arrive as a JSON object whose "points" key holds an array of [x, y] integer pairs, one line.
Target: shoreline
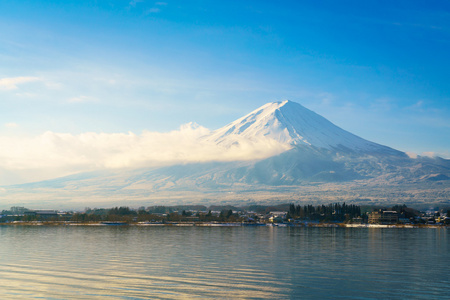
{"points": [[218, 224]]}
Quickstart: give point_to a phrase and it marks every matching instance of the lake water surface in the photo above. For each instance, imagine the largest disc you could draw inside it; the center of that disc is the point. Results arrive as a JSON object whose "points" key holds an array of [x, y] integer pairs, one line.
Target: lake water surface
{"points": [[131, 262]]}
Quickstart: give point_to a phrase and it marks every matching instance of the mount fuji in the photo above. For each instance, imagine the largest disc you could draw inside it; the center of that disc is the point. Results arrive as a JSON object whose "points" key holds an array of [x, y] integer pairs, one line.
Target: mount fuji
{"points": [[316, 162], [290, 123]]}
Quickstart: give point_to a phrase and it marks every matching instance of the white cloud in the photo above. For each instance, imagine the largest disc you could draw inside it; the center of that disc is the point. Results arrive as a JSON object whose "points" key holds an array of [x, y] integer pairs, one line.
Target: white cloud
{"points": [[429, 154], [13, 82], [411, 154], [65, 153]]}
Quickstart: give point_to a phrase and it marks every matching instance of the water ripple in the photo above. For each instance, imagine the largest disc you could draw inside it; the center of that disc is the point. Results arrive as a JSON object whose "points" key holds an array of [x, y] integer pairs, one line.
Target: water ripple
{"points": [[226, 263]]}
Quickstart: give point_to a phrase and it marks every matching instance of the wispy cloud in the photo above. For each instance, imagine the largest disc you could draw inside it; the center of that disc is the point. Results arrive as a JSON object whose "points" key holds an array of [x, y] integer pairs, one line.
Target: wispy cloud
{"points": [[82, 99], [156, 9], [12, 83], [11, 125], [382, 104], [418, 105], [153, 10], [134, 2]]}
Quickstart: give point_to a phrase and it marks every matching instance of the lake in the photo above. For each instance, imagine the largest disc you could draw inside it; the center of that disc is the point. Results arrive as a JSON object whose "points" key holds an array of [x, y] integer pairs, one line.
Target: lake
{"points": [[132, 262]]}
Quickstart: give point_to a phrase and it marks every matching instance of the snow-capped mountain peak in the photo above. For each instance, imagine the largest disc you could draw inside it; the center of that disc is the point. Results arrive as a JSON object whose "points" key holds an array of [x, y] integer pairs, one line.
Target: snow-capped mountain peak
{"points": [[290, 123]]}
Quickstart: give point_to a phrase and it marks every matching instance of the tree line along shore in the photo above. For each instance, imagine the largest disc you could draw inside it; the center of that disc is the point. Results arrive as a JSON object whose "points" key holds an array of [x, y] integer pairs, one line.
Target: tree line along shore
{"points": [[283, 214]]}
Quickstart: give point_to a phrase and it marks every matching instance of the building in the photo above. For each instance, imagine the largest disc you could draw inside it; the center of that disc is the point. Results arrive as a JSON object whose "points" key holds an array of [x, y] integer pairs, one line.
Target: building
{"points": [[42, 213], [383, 217], [277, 216]]}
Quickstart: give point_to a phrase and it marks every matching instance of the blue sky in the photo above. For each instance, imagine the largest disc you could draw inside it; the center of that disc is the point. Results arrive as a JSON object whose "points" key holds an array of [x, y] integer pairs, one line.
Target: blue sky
{"points": [[379, 69]]}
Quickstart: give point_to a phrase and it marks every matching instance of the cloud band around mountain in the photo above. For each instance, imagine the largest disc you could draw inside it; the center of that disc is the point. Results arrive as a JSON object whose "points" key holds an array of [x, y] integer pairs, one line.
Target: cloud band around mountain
{"points": [[66, 153]]}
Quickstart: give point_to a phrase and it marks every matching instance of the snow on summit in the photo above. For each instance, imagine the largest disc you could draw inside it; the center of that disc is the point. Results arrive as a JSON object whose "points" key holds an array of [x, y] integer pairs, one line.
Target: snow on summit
{"points": [[290, 123]]}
